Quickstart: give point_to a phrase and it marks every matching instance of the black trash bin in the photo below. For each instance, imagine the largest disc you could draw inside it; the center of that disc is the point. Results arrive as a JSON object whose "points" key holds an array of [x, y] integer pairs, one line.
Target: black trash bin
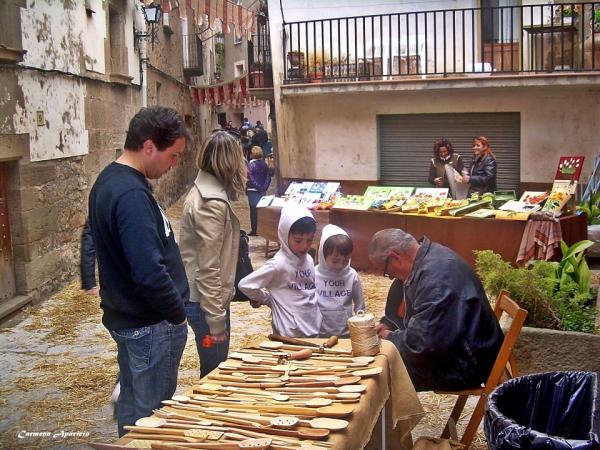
{"points": [[552, 410]]}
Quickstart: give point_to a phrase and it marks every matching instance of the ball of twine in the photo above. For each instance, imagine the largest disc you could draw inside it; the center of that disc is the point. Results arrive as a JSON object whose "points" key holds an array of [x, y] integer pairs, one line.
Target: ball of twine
{"points": [[363, 335]]}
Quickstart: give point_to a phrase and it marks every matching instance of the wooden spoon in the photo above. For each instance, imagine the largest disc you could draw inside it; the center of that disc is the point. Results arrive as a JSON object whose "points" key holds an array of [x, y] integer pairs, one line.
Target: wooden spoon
{"points": [[299, 432], [339, 382], [272, 345], [322, 422], [337, 410], [254, 444], [353, 388]]}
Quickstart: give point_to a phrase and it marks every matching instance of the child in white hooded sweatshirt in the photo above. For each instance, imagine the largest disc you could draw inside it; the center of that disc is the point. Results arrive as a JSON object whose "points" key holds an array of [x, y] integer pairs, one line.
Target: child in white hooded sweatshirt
{"points": [[286, 282], [339, 290]]}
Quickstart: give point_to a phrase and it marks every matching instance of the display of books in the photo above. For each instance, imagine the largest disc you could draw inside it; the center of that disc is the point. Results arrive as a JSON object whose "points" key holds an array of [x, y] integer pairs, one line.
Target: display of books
{"points": [[400, 192], [298, 188], [471, 207], [357, 202], [556, 201], [265, 200], [569, 168], [376, 192], [519, 206], [432, 196], [501, 197], [482, 213], [534, 197], [279, 201], [567, 186], [311, 193], [513, 215]]}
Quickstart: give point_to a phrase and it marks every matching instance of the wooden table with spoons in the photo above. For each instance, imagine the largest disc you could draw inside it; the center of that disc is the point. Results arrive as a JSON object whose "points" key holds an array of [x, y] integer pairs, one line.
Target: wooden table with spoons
{"points": [[276, 395]]}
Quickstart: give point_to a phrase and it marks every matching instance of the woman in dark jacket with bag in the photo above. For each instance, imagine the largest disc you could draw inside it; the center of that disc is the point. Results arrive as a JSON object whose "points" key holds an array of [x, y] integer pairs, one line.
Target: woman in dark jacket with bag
{"points": [[443, 154], [482, 174], [259, 178]]}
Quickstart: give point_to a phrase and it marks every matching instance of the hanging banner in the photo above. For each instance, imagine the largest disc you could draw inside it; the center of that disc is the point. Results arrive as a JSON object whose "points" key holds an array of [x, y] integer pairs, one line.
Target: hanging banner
{"points": [[243, 87], [230, 91], [221, 92], [202, 96]]}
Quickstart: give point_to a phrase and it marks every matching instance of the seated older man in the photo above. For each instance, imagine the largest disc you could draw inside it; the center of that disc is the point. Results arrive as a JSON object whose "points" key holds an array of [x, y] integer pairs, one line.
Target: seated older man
{"points": [[437, 313]]}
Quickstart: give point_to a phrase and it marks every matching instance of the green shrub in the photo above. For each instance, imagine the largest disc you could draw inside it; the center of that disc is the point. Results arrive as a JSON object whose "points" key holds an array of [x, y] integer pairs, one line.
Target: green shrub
{"points": [[549, 291]]}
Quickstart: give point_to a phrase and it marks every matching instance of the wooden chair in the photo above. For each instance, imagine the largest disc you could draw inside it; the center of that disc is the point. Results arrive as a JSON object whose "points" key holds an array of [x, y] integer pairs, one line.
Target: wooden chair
{"points": [[504, 368]]}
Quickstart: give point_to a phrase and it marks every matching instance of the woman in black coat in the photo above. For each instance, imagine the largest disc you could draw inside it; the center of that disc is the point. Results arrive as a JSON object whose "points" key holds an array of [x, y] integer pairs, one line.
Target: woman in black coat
{"points": [[482, 174]]}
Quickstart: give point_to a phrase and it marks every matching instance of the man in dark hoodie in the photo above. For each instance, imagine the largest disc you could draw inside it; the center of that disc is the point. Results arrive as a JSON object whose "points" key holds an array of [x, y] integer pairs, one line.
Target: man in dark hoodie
{"points": [[436, 314], [143, 286]]}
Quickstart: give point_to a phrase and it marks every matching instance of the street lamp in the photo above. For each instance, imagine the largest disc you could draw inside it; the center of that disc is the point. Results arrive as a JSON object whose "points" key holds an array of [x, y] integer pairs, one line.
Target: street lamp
{"points": [[152, 16]]}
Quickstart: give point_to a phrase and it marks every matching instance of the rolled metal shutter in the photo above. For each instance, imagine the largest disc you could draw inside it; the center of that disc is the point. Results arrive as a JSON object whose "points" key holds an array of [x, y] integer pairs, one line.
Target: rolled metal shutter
{"points": [[406, 144]]}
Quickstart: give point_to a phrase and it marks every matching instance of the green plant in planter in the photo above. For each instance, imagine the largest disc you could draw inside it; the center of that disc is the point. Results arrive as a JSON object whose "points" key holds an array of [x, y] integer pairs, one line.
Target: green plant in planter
{"points": [[573, 267], [566, 11], [556, 294], [591, 208], [528, 287]]}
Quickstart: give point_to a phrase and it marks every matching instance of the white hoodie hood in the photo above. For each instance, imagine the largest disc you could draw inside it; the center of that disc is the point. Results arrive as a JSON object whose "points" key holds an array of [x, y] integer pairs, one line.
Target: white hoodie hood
{"points": [[339, 292], [286, 283], [329, 231]]}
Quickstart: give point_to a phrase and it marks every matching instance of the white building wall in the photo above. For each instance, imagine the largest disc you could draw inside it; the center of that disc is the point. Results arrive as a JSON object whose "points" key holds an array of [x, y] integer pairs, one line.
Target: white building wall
{"points": [[336, 137], [61, 133], [60, 36], [94, 38]]}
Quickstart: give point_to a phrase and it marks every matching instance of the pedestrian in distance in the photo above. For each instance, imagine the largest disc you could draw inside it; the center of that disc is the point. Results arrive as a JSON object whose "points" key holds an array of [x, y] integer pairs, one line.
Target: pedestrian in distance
{"points": [[259, 179]]}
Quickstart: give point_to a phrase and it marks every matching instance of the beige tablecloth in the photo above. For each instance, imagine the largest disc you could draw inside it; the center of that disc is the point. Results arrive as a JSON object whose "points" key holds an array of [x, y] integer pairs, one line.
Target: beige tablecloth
{"points": [[391, 391]]}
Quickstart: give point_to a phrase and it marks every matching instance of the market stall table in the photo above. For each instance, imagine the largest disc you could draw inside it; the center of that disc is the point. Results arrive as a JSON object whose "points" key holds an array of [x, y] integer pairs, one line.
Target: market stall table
{"points": [[463, 235], [383, 418]]}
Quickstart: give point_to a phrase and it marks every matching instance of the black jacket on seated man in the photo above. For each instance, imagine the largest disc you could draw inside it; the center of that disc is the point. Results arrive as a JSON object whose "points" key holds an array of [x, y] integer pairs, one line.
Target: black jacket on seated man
{"points": [[445, 329]]}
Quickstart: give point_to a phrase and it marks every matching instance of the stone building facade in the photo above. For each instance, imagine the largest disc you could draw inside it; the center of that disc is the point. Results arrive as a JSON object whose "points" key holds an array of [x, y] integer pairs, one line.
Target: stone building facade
{"points": [[72, 74]]}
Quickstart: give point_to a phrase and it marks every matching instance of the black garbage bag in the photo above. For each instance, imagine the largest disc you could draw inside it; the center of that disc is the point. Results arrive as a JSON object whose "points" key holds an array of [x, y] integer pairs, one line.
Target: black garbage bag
{"points": [[552, 410]]}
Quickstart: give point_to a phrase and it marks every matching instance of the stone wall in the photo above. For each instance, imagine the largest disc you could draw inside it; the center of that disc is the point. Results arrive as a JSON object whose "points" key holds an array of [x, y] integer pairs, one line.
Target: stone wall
{"points": [[58, 131], [542, 350]]}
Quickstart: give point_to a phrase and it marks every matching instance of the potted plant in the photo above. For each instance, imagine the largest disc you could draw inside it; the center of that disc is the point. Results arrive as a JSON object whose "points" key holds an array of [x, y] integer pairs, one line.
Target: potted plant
{"points": [[315, 65], [565, 14], [561, 331]]}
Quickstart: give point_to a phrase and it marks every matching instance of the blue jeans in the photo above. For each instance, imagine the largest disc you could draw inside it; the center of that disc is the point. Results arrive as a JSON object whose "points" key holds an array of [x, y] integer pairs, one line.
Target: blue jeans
{"points": [[253, 199], [210, 357], [148, 362]]}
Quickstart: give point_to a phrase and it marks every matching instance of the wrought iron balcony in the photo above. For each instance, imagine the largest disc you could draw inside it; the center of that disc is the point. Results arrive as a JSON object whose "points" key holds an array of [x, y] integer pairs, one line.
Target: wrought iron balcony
{"points": [[192, 55], [259, 56], [456, 42]]}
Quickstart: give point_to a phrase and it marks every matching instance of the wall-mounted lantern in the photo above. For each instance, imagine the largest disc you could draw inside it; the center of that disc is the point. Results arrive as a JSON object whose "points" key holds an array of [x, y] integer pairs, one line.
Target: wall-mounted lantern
{"points": [[152, 16]]}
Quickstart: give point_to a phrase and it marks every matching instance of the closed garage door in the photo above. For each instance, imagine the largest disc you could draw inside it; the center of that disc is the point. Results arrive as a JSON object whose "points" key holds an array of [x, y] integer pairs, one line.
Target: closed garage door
{"points": [[406, 144]]}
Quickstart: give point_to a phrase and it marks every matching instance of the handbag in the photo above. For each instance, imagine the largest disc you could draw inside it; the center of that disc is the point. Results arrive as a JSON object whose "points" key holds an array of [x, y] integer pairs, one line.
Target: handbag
{"points": [[244, 266]]}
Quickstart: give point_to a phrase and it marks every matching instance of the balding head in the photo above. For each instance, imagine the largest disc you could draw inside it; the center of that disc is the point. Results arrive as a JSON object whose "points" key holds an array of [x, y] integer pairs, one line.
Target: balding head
{"points": [[393, 240]]}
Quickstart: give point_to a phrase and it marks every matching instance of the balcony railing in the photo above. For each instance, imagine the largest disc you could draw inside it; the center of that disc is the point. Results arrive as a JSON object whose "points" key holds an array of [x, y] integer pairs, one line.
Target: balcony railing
{"points": [[261, 72], [456, 42], [192, 55]]}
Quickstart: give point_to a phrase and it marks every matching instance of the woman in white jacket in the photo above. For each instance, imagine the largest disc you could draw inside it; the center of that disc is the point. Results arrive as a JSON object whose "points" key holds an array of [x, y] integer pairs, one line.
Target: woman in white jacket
{"points": [[209, 244]]}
